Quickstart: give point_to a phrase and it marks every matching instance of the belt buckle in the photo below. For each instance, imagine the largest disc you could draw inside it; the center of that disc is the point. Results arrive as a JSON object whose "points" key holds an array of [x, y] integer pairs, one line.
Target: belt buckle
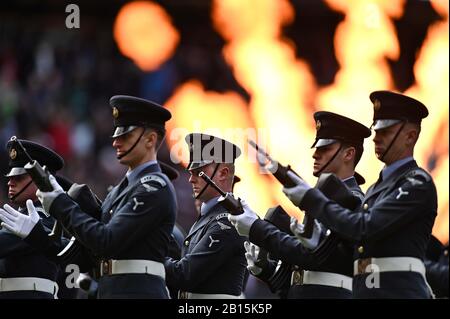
{"points": [[106, 267], [362, 265], [297, 277]]}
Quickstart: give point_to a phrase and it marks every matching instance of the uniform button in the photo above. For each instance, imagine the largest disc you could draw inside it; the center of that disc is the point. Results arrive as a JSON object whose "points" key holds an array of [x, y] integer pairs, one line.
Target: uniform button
{"points": [[360, 249], [186, 243], [446, 252], [366, 206], [111, 211]]}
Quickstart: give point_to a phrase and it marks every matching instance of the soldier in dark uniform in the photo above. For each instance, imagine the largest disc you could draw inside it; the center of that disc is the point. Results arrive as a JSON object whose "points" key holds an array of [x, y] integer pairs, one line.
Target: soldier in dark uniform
{"points": [[321, 266], [213, 262], [436, 264], [392, 229], [138, 215], [25, 272]]}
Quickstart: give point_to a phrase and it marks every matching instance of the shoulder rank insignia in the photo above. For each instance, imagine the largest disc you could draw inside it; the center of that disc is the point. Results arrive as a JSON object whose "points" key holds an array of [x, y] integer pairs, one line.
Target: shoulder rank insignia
{"points": [[136, 203], [213, 241], [223, 226], [153, 178], [401, 193]]}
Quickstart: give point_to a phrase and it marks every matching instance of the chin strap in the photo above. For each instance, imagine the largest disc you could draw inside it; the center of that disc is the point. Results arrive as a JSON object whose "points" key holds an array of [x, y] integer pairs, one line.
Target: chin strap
{"points": [[328, 163], [21, 191], [132, 147], [393, 140], [206, 186]]}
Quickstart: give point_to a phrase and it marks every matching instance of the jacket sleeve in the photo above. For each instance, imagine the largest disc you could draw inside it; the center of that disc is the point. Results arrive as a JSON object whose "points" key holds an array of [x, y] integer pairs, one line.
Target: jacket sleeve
{"points": [[437, 276], [279, 244], [11, 244], [138, 216], [215, 247], [410, 198]]}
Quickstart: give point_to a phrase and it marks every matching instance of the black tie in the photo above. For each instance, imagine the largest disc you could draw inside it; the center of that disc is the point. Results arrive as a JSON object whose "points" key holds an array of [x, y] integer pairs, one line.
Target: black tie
{"points": [[123, 184]]}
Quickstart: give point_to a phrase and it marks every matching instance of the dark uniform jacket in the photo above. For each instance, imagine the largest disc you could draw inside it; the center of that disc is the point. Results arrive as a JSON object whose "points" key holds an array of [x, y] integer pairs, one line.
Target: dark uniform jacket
{"points": [[19, 259], [437, 271], [136, 223], [213, 259], [396, 219], [334, 254]]}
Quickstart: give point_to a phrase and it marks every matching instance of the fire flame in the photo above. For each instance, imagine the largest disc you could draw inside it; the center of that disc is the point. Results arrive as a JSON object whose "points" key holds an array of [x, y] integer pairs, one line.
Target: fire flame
{"points": [[284, 94], [431, 87], [144, 33]]}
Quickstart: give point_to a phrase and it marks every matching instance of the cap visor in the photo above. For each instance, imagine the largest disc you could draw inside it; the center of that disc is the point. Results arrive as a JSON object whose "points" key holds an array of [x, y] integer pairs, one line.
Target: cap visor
{"points": [[122, 130], [16, 171], [324, 142], [382, 124]]}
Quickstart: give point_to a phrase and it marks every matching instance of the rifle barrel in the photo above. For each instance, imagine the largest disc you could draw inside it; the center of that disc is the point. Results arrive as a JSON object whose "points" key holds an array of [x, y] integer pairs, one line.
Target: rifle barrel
{"points": [[210, 182]]}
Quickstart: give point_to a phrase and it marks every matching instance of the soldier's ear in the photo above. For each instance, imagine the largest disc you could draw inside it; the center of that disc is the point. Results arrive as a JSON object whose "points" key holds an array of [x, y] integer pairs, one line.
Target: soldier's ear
{"points": [[223, 172], [412, 136], [349, 153], [150, 138]]}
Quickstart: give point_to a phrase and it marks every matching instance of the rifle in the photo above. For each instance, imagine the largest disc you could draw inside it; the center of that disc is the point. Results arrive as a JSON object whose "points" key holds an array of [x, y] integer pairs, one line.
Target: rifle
{"points": [[281, 175], [228, 201], [40, 177]]}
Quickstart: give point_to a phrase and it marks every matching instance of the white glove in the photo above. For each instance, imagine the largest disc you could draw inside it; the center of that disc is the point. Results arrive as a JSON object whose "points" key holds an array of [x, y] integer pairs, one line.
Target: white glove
{"points": [[19, 224], [244, 221], [299, 229], [296, 193], [47, 198], [251, 254]]}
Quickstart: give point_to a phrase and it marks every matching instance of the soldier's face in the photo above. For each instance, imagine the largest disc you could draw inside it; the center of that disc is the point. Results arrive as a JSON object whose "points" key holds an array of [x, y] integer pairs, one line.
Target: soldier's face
{"points": [[16, 184], [383, 138], [125, 142], [322, 156], [198, 183]]}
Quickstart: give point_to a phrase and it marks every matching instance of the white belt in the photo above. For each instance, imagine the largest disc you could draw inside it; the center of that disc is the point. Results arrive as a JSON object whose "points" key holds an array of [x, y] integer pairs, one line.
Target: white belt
{"points": [[330, 279], [132, 266], [369, 265], [29, 284], [191, 295], [386, 264]]}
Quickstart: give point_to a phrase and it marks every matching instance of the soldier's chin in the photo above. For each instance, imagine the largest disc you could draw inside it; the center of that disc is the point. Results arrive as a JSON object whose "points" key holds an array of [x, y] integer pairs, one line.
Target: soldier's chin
{"points": [[316, 172]]}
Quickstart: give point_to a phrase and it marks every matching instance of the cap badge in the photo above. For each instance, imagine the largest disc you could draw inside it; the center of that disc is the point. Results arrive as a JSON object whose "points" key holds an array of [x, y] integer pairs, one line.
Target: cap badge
{"points": [[115, 112], [13, 154], [318, 125]]}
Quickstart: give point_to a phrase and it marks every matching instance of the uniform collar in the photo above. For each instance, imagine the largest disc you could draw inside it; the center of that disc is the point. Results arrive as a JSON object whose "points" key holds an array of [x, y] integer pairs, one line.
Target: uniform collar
{"points": [[388, 170], [206, 206], [134, 173], [350, 181]]}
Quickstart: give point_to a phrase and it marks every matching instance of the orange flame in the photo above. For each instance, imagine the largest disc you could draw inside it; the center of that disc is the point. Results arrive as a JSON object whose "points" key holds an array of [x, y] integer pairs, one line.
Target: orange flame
{"points": [[283, 91], [144, 33], [431, 87], [218, 114], [362, 41], [281, 87]]}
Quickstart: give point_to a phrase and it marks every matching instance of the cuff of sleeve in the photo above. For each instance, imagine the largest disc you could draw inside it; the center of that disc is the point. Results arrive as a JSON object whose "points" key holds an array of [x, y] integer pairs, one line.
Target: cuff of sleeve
{"points": [[59, 203], [37, 235], [256, 233], [310, 200]]}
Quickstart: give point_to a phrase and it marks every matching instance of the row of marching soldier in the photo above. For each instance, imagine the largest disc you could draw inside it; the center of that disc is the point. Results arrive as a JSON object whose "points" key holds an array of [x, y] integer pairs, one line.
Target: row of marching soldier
{"points": [[353, 245]]}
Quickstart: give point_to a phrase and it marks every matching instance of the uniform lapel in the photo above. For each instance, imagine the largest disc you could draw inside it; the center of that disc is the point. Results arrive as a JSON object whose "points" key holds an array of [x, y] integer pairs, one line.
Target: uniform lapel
{"points": [[377, 189], [203, 220], [116, 197]]}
